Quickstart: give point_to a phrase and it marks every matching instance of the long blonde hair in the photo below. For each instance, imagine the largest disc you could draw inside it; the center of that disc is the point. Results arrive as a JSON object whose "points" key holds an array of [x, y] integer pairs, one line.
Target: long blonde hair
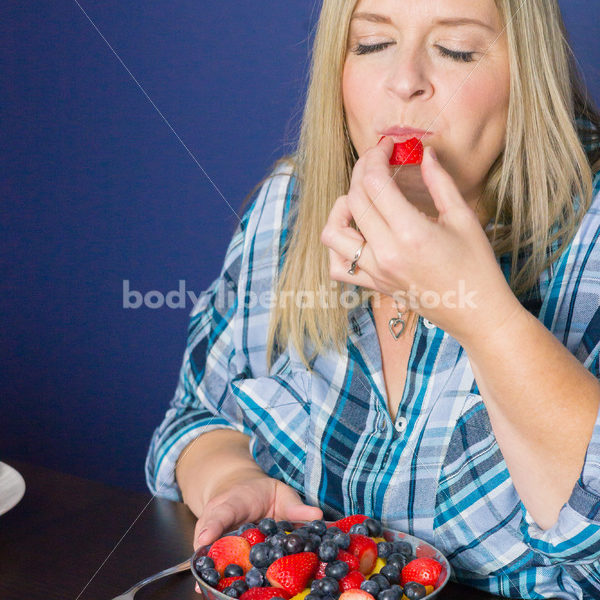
{"points": [[532, 184]]}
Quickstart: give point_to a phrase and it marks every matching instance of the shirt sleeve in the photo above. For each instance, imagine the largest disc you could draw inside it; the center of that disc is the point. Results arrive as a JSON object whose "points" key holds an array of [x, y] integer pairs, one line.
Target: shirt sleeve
{"points": [[224, 381], [203, 400], [575, 537]]}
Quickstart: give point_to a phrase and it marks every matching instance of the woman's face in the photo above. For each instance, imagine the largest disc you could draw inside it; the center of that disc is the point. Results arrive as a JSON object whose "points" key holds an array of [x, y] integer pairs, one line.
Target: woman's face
{"points": [[426, 64]]}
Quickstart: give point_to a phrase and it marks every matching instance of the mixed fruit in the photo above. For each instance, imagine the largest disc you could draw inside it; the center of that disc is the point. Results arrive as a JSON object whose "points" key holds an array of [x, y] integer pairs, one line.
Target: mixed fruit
{"points": [[345, 560]]}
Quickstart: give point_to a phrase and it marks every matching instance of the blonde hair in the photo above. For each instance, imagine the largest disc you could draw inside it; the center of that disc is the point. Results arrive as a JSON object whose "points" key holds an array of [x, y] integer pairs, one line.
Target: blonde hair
{"points": [[532, 184]]}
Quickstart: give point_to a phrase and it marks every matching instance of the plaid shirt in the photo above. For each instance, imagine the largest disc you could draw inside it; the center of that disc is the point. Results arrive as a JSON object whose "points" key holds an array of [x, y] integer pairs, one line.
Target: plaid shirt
{"points": [[436, 471]]}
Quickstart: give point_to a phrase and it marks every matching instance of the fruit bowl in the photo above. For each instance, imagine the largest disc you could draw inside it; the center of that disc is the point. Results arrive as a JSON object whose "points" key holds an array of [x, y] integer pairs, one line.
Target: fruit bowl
{"points": [[420, 549]]}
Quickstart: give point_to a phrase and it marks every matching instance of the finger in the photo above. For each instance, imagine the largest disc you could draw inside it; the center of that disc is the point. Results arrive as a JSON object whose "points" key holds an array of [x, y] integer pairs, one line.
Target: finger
{"points": [[290, 506], [442, 187], [215, 521], [343, 240], [339, 267], [375, 183]]}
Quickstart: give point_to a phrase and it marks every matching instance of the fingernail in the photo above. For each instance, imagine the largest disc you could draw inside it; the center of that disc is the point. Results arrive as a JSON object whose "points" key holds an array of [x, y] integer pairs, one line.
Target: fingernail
{"points": [[198, 590], [202, 531], [433, 154], [381, 138]]}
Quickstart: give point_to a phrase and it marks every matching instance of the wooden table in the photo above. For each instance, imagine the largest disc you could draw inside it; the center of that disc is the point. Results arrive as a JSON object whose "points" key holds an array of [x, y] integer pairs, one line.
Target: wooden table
{"points": [[74, 539]]}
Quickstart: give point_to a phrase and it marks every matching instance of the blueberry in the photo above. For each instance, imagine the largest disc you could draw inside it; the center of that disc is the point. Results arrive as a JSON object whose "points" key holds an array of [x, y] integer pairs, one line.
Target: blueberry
{"points": [[267, 526], [384, 549], [276, 554], [309, 546], [247, 526], [276, 540], [382, 581], [254, 578], [293, 543], [374, 527], [398, 588], [303, 532], [316, 540], [329, 586], [204, 562], [210, 576], [233, 570], [391, 573], [259, 555], [388, 594], [231, 591], [315, 587], [328, 551], [359, 528], [370, 586], [311, 596], [337, 569], [285, 526], [414, 590], [240, 585], [334, 529], [317, 526], [403, 547], [397, 559], [342, 540]]}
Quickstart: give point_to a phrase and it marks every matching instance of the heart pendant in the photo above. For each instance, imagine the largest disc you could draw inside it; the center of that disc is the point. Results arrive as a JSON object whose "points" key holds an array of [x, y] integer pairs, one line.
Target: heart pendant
{"points": [[393, 324]]}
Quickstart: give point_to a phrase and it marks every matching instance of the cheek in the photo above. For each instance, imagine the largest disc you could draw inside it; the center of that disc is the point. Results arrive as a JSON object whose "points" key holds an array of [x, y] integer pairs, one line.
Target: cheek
{"points": [[484, 105]]}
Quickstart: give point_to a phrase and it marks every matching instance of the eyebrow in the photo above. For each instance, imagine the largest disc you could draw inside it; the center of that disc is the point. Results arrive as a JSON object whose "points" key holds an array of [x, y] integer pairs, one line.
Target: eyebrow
{"points": [[377, 18]]}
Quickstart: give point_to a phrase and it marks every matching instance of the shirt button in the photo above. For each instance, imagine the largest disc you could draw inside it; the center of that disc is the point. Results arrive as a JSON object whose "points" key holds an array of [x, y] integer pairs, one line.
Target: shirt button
{"points": [[401, 423], [428, 324]]}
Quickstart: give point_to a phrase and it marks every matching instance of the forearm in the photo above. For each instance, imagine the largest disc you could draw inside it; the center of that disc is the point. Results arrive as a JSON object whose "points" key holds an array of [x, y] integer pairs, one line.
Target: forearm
{"points": [[542, 405], [209, 461]]}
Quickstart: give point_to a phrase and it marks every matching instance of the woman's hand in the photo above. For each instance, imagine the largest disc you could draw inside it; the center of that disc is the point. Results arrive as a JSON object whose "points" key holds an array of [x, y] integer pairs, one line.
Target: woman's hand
{"points": [[445, 270], [249, 498]]}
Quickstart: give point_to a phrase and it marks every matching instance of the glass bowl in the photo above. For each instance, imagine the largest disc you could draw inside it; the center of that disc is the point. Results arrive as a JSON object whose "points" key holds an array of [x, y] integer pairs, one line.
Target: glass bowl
{"points": [[420, 549]]}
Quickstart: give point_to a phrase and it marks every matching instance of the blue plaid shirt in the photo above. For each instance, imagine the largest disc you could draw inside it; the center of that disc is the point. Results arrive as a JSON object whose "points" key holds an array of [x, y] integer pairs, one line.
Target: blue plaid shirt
{"points": [[436, 471]]}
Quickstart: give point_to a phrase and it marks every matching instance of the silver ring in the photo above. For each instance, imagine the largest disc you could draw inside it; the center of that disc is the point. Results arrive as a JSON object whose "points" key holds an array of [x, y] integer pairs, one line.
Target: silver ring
{"points": [[356, 258]]}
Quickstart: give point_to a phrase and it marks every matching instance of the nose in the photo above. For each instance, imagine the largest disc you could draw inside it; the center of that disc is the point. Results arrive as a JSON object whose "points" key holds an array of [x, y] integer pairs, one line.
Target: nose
{"points": [[408, 76]]}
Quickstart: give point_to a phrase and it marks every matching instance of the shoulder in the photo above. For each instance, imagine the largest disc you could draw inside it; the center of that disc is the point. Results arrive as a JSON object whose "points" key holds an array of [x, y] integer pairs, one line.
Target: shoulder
{"points": [[586, 243], [267, 221]]}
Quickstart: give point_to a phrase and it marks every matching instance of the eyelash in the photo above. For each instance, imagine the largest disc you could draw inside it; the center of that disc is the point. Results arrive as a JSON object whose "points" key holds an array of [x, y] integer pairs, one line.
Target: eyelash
{"points": [[457, 56]]}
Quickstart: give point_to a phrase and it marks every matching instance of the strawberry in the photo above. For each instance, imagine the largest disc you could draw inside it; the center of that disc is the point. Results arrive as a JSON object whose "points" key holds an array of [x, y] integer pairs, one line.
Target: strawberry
{"points": [[231, 549], [422, 570], [293, 572], [254, 536], [227, 581], [365, 549], [409, 152], [351, 581], [264, 593], [347, 522], [350, 559], [356, 595], [321, 570]]}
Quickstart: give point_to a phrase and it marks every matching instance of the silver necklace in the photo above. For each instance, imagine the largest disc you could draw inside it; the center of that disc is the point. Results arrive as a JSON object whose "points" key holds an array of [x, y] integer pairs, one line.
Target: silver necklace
{"points": [[397, 324]]}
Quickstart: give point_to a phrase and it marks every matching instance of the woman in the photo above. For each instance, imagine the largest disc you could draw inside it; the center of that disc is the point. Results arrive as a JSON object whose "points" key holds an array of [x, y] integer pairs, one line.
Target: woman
{"points": [[430, 356]]}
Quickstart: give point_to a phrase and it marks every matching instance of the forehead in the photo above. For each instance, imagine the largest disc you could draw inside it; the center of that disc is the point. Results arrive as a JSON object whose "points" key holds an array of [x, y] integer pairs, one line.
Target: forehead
{"points": [[399, 11]]}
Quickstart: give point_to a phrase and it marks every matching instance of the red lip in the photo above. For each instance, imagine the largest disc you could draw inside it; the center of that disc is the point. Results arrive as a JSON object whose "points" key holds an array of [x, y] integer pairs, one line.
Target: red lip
{"points": [[406, 132]]}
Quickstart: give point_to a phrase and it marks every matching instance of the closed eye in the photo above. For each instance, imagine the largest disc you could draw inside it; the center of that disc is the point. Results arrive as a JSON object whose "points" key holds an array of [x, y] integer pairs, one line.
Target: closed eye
{"points": [[456, 55], [367, 49]]}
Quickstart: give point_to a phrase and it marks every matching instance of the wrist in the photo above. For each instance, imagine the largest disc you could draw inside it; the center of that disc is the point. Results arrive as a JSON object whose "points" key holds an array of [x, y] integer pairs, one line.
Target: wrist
{"points": [[500, 314]]}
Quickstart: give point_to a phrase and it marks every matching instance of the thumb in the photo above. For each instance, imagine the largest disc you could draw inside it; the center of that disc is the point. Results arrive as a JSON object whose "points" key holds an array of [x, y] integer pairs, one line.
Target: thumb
{"points": [[293, 509], [446, 195]]}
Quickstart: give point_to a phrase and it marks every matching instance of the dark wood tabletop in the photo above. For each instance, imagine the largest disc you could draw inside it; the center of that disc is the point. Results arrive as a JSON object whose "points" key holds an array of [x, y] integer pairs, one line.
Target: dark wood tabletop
{"points": [[74, 539]]}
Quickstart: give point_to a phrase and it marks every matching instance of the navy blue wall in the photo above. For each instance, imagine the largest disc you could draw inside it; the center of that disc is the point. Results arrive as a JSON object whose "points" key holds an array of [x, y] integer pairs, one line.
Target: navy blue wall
{"points": [[97, 189]]}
